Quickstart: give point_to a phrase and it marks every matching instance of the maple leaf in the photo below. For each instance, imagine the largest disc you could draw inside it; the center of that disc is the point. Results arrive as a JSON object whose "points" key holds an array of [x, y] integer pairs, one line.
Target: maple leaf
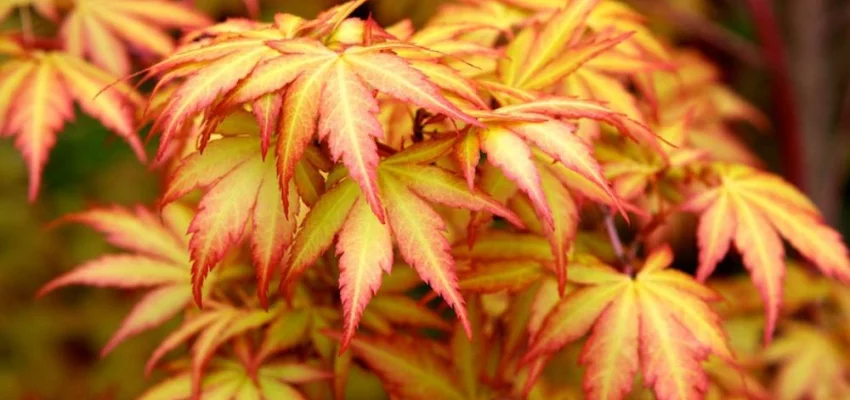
{"points": [[811, 364], [44, 87], [408, 369], [230, 379], [213, 326], [406, 182], [658, 322], [325, 92], [754, 209], [241, 192], [158, 260], [102, 30]]}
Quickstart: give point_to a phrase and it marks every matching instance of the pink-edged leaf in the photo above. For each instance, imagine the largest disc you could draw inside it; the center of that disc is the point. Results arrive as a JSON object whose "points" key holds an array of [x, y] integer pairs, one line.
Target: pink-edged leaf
{"points": [[508, 152], [366, 250], [152, 310], [420, 233], [123, 271], [348, 121]]}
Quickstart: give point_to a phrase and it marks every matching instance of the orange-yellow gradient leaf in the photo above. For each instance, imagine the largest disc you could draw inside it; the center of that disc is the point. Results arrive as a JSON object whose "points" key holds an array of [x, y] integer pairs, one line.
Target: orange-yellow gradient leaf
{"points": [[409, 370], [755, 210], [102, 30], [319, 228], [508, 152], [366, 251], [420, 233], [158, 259]]}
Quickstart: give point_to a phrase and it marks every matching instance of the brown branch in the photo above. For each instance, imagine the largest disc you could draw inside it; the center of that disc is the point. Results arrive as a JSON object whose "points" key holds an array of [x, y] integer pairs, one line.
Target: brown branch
{"points": [[616, 243]]}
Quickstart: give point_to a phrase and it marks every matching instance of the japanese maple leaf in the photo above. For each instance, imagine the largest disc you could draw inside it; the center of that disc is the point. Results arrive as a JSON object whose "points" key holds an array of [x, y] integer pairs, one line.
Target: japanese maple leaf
{"points": [[102, 30], [37, 95], [365, 245], [231, 379], [409, 369], [157, 259], [658, 322], [811, 364], [510, 140], [212, 328], [755, 210], [391, 307], [242, 194], [300, 89]]}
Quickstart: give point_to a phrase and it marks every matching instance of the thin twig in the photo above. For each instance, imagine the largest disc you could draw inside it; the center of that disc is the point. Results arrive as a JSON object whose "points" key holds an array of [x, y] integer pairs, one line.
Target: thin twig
{"points": [[615, 241]]}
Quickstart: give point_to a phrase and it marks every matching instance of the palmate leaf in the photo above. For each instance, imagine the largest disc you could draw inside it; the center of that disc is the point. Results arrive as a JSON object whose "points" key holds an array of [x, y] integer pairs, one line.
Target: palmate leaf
{"points": [[658, 322], [157, 259], [326, 92], [102, 31], [754, 209], [37, 95], [405, 183], [241, 195]]}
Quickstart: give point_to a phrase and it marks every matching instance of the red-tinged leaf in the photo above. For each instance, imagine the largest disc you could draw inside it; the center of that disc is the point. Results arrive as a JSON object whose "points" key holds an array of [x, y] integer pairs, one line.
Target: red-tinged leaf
{"points": [[565, 215], [420, 231], [764, 257], [492, 277], [467, 153], [714, 234], [140, 231], [559, 140], [438, 185], [611, 352], [564, 28], [670, 356], [348, 121], [267, 110], [508, 152], [272, 229], [300, 113], [573, 317], [408, 370], [152, 310], [219, 332], [221, 219], [365, 249], [188, 329], [589, 270], [123, 271], [578, 108], [111, 107], [202, 88], [449, 80], [573, 59], [220, 158], [390, 74], [319, 228], [273, 75], [40, 111], [15, 74]]}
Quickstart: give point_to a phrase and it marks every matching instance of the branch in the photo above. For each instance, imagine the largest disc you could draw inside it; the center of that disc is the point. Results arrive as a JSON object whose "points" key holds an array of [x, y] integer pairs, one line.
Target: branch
{"points": [[790, 143], [616, 243]]}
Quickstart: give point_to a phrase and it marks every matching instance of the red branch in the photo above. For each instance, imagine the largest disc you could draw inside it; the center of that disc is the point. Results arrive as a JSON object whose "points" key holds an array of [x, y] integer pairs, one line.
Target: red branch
{"points": [[790, 141]]}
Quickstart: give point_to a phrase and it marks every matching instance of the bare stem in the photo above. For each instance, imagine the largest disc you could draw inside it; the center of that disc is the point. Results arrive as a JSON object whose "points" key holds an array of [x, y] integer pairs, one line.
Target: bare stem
{"points": [[616, 242]]}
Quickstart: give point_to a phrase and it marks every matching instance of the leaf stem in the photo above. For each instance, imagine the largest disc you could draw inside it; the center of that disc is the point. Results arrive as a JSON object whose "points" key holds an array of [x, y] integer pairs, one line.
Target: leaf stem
{"points": [[616, 242]]}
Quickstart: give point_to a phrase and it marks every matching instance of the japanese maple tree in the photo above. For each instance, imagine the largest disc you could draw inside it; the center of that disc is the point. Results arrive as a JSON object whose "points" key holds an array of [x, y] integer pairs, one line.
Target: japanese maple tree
{"points": [[443, 207]]}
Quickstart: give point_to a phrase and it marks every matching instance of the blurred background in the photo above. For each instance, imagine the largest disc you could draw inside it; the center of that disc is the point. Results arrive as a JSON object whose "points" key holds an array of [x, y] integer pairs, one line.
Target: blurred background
{"points": [[793, 67]]}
